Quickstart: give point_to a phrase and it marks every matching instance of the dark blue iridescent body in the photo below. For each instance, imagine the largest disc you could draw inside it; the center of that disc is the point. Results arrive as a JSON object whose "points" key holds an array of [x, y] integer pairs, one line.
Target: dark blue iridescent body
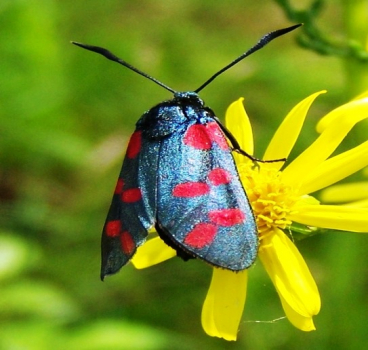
{"points": [[179, 176]]}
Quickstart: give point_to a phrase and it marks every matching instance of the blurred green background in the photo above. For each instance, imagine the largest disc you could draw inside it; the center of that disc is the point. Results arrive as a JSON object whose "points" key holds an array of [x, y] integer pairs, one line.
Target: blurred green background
{"points": [[66, 115]]}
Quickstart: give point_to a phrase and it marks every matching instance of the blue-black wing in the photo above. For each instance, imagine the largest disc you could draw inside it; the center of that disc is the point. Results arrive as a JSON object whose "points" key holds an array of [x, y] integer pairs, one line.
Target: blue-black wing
{"points": [[202, 207], [132, 210], [134, 205]]}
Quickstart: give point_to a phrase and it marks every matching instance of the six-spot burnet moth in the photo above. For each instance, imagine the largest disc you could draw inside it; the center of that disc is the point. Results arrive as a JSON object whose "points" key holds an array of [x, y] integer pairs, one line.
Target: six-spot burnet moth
{"points": [[179, 177]]}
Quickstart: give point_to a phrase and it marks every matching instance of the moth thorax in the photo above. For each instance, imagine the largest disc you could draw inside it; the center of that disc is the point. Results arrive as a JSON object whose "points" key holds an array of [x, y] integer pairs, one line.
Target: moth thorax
{"points": [[189, 97]]}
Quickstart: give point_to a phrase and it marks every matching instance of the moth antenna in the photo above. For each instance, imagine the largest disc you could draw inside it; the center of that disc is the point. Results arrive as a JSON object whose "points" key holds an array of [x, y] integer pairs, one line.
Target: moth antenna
{"points": [[109, 55], [261, 43]]}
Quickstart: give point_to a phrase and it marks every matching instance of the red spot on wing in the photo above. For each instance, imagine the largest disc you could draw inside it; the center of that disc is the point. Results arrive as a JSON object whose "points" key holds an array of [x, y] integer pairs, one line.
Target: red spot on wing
{"points": [[201, 235], [219, 176], [113, 228], [127, 243], [227, 217], [135, 145], [119, 186], [190, 189], [131, 195], [197, 137], [217, 135]]}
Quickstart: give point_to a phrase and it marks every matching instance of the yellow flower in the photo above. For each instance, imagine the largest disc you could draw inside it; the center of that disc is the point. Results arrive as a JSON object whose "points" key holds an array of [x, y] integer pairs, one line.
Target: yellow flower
{"points": [[348, 194], [279, 196], [351, 194]]}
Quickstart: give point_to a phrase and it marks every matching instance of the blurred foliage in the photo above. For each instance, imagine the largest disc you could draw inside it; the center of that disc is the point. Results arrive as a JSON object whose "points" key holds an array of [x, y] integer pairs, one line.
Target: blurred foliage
{"points": [[65, 117], [314, 38]]}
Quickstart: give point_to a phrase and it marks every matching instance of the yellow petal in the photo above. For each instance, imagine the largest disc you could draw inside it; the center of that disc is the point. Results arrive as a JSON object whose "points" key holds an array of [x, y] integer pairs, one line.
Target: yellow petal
{"points": [[237, 121], [336, 168], [348, 115], [289, 273], [336, 217], [345, 192], [286, 135], [224, 303], [301, 322], [153, 252], [358, 204], [356, 109]]}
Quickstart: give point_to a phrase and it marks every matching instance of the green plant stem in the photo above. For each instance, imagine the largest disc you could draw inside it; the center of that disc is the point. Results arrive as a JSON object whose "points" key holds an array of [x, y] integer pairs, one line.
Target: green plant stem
{"points": [[355, 14]]}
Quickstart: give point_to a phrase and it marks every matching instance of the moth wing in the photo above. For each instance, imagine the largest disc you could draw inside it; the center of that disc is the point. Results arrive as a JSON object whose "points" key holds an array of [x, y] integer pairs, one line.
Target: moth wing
{"points": [[133, 207], [202, 207]]}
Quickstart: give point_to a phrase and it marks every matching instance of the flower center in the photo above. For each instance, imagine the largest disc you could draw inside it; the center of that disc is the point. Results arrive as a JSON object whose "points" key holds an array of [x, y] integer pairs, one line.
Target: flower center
{"points": [[270, 198]]}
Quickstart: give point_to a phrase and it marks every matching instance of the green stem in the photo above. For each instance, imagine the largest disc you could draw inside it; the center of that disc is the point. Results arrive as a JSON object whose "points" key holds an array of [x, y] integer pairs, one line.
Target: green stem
{"points": [[355, 14]]}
